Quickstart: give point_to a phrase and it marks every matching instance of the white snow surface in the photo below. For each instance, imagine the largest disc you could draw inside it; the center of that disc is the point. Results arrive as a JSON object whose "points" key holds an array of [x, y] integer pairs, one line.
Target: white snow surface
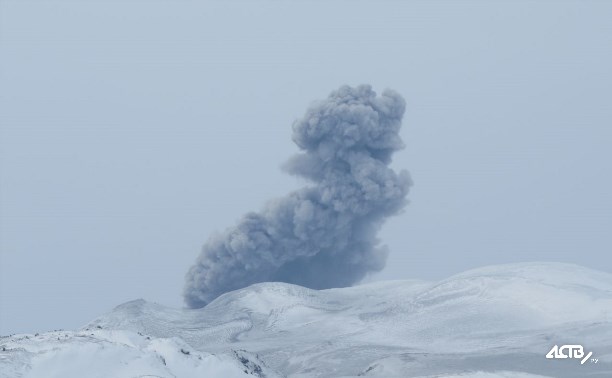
{"points": [[112, 353], [492, 322]]}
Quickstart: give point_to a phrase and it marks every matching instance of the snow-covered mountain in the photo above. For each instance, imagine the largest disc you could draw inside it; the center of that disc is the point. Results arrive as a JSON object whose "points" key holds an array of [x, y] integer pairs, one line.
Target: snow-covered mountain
{"points": [[498, 321]]}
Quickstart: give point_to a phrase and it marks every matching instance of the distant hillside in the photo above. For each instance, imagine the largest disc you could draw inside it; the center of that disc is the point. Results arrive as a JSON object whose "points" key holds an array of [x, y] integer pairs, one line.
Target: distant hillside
{"points": [[497, 321]]}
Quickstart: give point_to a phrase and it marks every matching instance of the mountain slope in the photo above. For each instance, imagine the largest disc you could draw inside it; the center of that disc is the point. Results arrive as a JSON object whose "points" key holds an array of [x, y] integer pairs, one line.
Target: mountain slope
{"points": [[501, 320]]}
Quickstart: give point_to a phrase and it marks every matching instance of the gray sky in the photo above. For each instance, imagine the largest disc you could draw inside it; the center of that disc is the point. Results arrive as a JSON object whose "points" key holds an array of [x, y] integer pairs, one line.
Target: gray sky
{"points": [[132, 130]]}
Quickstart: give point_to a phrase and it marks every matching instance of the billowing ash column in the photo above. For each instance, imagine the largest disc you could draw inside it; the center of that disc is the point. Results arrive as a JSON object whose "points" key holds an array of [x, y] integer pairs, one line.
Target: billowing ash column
{"points": [[323, 235]]}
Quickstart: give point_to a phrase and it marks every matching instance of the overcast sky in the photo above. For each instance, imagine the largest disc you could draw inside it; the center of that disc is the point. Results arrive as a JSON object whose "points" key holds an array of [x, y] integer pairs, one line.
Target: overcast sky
{"points": [[130, 131]]}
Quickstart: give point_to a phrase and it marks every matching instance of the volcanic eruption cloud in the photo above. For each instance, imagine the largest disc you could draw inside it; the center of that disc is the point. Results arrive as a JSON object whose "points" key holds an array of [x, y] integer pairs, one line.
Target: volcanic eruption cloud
{"points": [[323, 235]]}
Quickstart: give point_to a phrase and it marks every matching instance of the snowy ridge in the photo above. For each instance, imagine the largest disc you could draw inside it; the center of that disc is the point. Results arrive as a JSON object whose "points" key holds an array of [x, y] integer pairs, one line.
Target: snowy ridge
{"points": [[117, 353], [497, 321]]}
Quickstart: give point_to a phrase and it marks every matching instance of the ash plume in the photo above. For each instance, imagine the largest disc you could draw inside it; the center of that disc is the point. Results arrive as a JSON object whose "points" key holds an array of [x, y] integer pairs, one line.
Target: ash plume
{"points": [[323, 235]]}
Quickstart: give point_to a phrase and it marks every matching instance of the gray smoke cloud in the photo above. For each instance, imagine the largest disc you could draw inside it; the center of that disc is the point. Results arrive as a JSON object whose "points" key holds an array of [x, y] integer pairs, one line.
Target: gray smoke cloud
{"points": [[323, 235]]}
